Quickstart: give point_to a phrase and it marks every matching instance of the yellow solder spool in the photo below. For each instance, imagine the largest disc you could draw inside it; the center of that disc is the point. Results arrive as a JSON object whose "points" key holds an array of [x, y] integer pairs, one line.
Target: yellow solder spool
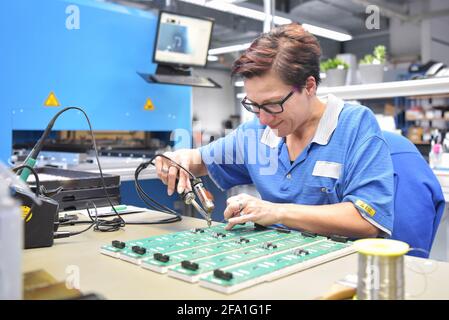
{"points": [[380, 269]]}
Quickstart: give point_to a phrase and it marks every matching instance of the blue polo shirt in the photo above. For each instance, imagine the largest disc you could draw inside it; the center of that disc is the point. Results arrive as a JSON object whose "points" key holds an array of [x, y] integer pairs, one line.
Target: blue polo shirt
{"points": [[347, 160]]}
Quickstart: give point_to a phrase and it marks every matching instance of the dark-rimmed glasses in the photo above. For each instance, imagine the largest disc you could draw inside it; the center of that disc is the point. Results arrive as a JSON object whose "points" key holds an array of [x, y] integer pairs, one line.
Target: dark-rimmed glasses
{"points": [[274, 107]]}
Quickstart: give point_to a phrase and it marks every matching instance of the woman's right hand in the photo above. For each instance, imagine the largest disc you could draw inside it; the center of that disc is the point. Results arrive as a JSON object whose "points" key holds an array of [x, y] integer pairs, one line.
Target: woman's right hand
{"points": [[168, 172]]}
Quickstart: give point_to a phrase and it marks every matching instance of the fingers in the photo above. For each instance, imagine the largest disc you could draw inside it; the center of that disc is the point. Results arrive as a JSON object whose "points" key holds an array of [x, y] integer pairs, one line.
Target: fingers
{"points": [[184, 178], [234, 207], [241, 219], [168, 172], [171, 179], [162, 167], [159, 164]]}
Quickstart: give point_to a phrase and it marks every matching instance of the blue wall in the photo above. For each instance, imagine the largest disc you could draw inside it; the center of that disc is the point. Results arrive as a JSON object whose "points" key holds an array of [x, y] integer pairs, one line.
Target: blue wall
{"points": [[93, 67]]}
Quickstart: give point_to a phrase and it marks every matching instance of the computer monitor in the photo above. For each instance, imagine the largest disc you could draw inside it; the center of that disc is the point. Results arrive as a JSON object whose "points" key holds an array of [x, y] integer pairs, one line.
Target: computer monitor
{"points": [[182, 40]]}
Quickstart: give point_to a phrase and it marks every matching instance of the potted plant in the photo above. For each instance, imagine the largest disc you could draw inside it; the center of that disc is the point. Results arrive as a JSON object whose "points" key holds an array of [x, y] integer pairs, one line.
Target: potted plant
{"points": [[371, 67], [336, 71]]}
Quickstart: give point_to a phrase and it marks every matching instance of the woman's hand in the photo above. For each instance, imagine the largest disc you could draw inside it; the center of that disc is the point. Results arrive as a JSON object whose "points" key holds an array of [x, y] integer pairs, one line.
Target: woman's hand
{"points": [[168, 172], [243, 207]]}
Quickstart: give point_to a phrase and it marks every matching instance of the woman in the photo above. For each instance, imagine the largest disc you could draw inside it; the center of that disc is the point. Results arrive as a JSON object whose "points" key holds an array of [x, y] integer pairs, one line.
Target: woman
{"points": [[319, 165]]}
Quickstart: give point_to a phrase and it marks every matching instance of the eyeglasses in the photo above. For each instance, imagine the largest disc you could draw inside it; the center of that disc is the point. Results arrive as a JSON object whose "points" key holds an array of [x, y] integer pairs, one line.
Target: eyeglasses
{"points": [[274, 107]]}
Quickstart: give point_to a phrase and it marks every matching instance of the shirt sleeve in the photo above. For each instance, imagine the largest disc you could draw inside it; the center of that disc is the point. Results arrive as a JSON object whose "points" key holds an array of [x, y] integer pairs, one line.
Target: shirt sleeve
{"points": [[369, 183], [225, 161]]}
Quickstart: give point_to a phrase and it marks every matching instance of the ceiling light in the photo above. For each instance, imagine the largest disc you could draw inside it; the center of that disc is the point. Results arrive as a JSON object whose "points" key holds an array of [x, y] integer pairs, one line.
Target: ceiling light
{"points": [[234, 48], [327, 33], [227, 6]]}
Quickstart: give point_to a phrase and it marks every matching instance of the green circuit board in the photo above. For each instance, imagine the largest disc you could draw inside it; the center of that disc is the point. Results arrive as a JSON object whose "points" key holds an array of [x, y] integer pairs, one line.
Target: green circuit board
{"points": [[173, 242], [229, 260], [274, 266], [224, 248], [209, 264]]}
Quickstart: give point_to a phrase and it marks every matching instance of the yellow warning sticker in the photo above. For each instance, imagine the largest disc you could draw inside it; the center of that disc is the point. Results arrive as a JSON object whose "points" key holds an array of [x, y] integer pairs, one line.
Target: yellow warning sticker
{"points": [[365, 207], [51, 100], [25, 211], [148, 105]]}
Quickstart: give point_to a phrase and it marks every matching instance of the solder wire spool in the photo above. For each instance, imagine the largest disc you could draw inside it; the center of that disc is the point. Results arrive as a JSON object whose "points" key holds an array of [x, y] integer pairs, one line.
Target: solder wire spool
{"points": [[380, 269]]}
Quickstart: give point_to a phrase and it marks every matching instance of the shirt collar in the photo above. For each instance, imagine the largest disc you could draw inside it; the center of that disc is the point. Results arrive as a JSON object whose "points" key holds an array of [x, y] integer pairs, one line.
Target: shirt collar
{"points": [[269, 138], [326, 126], [329, 120]]}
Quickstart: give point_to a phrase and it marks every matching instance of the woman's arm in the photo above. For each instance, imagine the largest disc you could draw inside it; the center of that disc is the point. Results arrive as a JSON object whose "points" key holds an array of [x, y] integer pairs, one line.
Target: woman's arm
{"points": [[340, 218]]}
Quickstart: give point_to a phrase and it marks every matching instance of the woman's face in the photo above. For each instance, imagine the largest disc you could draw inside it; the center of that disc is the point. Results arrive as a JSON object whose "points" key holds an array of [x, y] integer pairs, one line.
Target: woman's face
{"points": [[270, 88]]}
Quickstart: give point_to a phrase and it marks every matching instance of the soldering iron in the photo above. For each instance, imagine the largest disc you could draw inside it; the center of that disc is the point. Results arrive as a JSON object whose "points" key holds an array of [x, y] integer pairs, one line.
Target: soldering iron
{"points": [[188, 196]]}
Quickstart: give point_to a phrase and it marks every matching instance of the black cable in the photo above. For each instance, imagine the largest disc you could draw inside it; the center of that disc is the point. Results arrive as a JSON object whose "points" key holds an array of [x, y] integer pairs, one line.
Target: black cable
{"points": [[153, 204], [114, 224], [34, 172], [143, 195], [66, 234], [101, 223], [108, 226], [146, 198]]}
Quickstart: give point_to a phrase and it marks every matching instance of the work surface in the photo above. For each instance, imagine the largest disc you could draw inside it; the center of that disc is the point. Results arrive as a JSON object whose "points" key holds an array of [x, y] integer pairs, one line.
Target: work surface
{"points": [[115, 279]]}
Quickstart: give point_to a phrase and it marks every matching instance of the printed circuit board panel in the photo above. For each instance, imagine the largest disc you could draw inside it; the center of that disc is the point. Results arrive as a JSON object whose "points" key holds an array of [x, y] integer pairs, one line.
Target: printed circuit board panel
{"points": [[230, 260]]}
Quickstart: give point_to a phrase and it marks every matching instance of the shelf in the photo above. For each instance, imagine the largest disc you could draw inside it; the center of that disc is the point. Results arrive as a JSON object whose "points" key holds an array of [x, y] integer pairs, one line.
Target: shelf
{"points": [[389, 89], [427, 119]]}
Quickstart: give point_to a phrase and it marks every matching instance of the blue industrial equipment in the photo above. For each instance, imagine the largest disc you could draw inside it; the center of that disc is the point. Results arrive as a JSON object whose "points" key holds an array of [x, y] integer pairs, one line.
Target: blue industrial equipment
{"points": [[87, 53]]}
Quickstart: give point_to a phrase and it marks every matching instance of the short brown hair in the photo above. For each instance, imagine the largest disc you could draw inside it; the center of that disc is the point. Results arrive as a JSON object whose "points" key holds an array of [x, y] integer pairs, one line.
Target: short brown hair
{"points": [[291, 51]]}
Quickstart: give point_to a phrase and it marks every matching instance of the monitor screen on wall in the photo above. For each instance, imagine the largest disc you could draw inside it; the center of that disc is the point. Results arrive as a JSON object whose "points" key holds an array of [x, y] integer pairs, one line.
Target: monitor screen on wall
{"points": [[182, 40]]}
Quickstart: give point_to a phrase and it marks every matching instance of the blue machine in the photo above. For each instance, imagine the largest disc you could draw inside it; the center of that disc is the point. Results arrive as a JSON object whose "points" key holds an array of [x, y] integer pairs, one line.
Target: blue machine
{"points": [[94, 67], [88, 54]]}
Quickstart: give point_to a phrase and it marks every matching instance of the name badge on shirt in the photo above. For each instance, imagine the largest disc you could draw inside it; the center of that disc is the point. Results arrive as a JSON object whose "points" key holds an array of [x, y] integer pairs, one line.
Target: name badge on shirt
{"points": [[327, 169]]}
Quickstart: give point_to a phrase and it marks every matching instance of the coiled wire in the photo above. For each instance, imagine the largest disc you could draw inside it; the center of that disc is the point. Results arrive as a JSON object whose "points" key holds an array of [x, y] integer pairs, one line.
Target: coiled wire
{"points": [[380, 278]]}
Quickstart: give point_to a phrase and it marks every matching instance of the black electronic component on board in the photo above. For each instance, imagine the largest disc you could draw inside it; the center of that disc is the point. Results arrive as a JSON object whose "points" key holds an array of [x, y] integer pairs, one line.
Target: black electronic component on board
{"points": [[308, 234], [220, 274], [161, 257], [139, 250], [282, 230], [118, 244], [218, 235], [269, 245], [198, 230], [301, 252], [243, 240], [186, 264], [259, 227], [337, 238]]}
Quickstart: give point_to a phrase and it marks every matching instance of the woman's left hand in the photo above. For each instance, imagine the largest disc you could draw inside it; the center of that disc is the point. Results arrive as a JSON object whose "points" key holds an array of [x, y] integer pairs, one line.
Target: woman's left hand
{"points": [[243, 208]]}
